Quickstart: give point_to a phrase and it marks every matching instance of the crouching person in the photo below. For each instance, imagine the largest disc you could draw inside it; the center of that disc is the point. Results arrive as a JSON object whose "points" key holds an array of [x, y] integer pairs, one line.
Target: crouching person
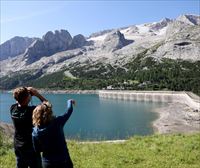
{"points": [[48, 136]]}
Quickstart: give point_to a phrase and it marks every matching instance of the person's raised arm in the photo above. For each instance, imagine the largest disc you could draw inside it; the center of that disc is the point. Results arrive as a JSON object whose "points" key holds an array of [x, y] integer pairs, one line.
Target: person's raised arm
{"points": [[63, 118], [35, 93]]}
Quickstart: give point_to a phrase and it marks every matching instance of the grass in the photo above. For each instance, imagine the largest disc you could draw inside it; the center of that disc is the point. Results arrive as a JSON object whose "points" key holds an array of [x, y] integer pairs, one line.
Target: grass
{"points": [[156, 151], [7, 157]]}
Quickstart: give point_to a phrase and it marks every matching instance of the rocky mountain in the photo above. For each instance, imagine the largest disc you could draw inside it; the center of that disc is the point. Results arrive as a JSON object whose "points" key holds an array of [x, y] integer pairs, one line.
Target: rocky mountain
{"points": [[115, 48], [182, 41], [15, 46], [78, 41], [100, 33], [189, 19], [159, 25], [50, 43]]}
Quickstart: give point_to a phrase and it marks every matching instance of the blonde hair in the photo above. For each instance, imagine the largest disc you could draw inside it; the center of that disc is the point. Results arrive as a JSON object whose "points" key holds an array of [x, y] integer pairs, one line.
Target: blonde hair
{"points": [[42, 114]]}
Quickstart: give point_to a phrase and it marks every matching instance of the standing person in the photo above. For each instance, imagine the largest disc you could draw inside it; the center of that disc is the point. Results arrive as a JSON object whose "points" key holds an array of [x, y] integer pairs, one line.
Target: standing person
{"points": [[21, 114], [48, 136]]}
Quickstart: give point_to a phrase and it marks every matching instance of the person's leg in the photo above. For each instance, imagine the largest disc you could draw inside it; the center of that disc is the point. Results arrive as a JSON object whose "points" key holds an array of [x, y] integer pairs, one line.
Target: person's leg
{"points": [[66, 164], [20, 162], [47, 165], [69, 163], [33, 159]]}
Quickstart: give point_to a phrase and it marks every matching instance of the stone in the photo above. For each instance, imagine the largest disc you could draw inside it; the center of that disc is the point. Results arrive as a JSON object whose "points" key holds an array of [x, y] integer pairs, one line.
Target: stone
{"points": [[115, 41]]}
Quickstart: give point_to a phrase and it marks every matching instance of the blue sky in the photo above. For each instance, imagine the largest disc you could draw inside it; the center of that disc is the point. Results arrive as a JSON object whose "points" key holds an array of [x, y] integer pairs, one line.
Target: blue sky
{"points": [[35, 18]]}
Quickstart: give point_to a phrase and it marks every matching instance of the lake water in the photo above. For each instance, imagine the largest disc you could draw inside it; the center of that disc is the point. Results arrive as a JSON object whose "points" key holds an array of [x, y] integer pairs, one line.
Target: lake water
{"points": [[96, 118]]}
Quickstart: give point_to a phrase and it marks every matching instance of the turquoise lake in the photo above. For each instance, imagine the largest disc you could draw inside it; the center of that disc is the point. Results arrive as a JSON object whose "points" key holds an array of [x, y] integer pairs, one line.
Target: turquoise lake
{"points": [[96, 118]]}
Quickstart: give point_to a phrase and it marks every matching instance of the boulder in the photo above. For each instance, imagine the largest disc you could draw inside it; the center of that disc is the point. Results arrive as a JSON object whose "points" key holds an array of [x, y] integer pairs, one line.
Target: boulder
{"points": [[115, 41]]}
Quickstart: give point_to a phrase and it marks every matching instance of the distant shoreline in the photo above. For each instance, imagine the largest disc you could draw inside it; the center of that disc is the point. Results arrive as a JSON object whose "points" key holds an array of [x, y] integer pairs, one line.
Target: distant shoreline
{"points": [[69, 91], [47, 91]]}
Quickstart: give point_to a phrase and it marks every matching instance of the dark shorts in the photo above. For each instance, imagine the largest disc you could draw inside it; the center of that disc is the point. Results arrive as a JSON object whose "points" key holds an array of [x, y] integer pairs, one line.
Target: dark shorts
{"points": [[27, 158]]}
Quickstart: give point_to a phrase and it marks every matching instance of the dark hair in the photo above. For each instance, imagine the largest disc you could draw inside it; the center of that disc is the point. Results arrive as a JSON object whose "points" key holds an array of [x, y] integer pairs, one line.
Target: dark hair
{"points": [[20, 94]]}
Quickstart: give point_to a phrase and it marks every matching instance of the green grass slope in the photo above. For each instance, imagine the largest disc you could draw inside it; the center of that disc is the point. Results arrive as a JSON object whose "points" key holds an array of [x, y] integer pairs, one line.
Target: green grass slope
{"points": [[156, 151]]}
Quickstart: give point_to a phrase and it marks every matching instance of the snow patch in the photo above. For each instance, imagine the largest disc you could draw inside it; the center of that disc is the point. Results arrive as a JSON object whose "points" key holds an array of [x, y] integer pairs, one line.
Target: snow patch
{"points": [[142, 28], [98, 38], [162, 31]]}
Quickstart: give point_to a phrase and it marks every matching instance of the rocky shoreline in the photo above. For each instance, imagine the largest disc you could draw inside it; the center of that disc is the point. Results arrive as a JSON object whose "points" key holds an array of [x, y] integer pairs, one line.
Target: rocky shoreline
{"points": [[177, 118], [7, 129], [47, 91], [68, 91]]}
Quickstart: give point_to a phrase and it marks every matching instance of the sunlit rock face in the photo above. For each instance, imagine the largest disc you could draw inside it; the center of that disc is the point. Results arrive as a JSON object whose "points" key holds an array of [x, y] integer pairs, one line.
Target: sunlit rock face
{"points": [[58, 41], [14, 47], [115, 41], [189, 19], [78, 41], [51, 43]]}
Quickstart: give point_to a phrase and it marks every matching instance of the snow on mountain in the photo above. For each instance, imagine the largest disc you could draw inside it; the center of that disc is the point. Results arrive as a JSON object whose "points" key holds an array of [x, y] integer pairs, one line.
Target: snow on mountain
{"points": [[98, 38], [175, 39], [189, 19], [142, 29]]}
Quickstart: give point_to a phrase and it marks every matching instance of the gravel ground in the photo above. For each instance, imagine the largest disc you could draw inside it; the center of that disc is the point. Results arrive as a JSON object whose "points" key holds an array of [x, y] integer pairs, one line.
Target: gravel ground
{"points": [[177, 118]]}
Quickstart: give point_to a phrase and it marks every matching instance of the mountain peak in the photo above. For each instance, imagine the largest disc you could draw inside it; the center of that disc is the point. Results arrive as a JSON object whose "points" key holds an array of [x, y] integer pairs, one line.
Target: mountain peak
{"points": [[166, 20], [161, 24], [57, 36], [15, 46], [189, 19]]}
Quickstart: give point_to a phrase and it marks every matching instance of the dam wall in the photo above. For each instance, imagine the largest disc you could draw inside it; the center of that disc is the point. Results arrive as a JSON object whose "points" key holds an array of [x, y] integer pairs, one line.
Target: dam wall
{"points": [[154, 96]]}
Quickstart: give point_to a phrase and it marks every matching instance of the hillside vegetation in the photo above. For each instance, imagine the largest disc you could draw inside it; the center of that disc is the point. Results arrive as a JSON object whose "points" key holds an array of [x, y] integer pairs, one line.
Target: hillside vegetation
{"points": [[156, 151], [139, 74]]}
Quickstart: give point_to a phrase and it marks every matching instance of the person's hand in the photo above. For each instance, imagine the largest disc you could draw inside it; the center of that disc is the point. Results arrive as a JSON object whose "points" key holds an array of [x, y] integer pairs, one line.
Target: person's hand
{"points": [[33, 91], [69, 102], [73, 102]]}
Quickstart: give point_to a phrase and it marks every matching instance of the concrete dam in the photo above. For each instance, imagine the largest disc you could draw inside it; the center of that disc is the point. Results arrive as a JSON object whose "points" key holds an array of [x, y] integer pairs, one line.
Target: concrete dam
{"points": [[187, 98]]}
